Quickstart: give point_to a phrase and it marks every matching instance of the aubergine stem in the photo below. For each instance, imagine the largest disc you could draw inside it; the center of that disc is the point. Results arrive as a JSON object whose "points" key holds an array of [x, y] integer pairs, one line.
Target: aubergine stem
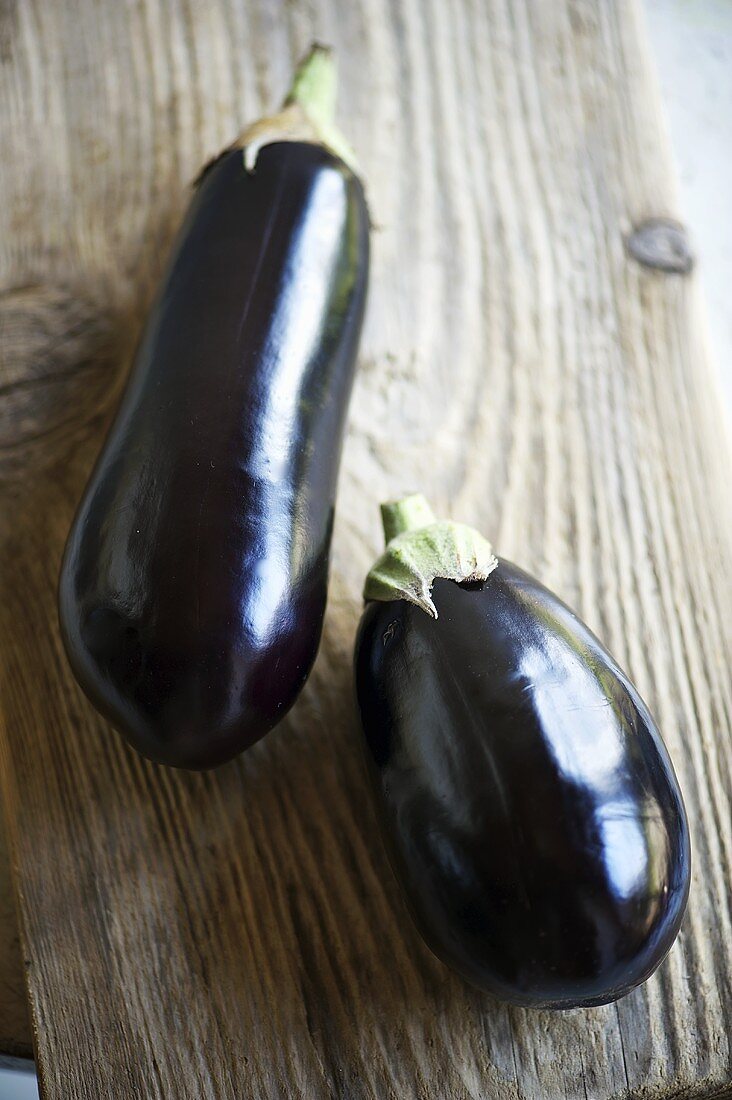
{"points": [[420, 549], [306, 114], [408, 514]]}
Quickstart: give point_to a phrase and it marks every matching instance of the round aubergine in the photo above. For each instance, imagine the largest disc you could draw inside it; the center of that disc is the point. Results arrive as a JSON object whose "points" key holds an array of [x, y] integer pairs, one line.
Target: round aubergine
{"points": [[529, 806], [193, 588]]}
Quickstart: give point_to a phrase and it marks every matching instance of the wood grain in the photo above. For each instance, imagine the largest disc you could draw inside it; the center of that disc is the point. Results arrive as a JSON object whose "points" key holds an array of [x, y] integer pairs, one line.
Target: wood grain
{"points": [[15, 1027], [238, 933]]}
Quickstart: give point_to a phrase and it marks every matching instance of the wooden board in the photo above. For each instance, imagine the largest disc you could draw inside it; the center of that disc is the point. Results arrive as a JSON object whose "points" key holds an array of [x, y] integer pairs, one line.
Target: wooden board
{"points": [[238, 934], [15, 1027]]}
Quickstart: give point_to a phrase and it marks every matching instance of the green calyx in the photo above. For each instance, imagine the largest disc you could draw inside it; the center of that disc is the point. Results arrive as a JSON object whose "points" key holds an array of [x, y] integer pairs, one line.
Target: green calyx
{"points": [[420, 549], [307, 113]]}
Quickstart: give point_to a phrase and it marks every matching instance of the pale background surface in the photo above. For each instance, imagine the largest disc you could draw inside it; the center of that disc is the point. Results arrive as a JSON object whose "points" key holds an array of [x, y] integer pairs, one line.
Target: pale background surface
{"points": [[17, 1085], [692, 42]]}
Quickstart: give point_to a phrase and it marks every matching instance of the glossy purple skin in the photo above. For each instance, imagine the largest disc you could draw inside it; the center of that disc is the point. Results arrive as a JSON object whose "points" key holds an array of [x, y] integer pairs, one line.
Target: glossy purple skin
{"points": [[193, 588], [529, 806]]}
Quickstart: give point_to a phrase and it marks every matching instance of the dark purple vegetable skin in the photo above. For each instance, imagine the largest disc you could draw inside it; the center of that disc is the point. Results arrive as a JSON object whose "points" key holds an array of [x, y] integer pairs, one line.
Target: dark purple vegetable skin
{"points": [[528, 804], [194, 582]]}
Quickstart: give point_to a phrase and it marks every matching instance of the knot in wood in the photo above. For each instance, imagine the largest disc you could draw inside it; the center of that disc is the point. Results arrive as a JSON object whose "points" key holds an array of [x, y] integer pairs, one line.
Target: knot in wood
{"points": [[661, 244], [58, 369]]}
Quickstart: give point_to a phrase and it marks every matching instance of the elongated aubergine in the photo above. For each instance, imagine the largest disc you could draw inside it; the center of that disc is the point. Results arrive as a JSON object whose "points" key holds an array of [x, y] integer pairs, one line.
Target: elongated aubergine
{"points": [[528, 803], [194, 582]]}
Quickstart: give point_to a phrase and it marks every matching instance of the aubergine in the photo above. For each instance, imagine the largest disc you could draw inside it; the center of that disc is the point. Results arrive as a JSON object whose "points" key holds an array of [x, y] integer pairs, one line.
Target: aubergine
{"points": [[193, 587], [528, 804]]}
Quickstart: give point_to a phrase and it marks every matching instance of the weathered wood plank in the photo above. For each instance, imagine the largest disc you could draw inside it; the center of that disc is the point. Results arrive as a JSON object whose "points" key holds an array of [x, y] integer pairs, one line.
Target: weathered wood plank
{"points": [[238, 933], [15, 1027]]}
